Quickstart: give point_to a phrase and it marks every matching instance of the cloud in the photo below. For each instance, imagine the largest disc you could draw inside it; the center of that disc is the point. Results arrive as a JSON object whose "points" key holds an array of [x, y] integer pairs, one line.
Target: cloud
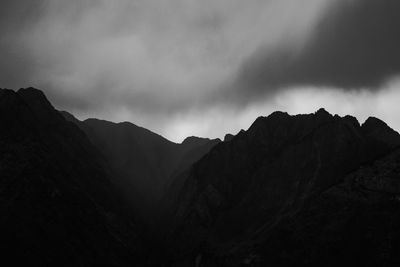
{"points": [[356, 45], [218, 121], [144, 55], [168, 64]]}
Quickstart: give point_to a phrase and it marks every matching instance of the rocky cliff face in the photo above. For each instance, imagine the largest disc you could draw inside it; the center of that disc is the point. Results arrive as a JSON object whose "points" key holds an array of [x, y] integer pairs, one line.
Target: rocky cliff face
{"points": [[245, 187], [57, 201]]}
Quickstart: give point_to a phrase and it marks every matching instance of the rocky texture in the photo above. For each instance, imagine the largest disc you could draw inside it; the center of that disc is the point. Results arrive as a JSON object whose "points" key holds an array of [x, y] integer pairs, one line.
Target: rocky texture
{"points": [[57, 204], [242, 189]]}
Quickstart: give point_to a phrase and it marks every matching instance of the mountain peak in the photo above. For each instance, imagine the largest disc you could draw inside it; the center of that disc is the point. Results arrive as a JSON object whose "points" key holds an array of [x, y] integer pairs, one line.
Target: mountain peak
{"points": [[39, 104], [278, 118], [191, 139], [378, 129], [4, 91], [278, 114], [33, 94], [29, 102], [322, 111], [228, 137], [373, 122], [323, 114], [31, 89]]}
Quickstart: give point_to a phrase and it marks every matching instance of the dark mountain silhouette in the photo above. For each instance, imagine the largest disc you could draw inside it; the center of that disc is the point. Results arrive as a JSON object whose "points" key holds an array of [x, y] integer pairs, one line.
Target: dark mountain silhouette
{"points": [[312, 189], [57, 204], [228, 137], [144, 161], [242, 190]]}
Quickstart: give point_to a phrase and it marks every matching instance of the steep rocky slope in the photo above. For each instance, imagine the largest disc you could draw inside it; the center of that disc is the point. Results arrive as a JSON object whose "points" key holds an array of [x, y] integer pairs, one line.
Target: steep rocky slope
{"points": [[242, 189], [57, 203]]}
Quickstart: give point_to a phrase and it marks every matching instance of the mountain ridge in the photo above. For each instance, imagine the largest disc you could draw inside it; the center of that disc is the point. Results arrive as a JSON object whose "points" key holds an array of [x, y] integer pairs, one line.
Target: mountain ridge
{"points": [[249, 183], [144, 160], [308, 189]]}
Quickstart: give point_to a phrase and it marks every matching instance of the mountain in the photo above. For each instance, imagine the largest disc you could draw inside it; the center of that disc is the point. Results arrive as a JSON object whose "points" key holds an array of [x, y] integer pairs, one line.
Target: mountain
{"points": [[58, 204], [228, 137], [312, 189], [144, 161], [241, 192]]}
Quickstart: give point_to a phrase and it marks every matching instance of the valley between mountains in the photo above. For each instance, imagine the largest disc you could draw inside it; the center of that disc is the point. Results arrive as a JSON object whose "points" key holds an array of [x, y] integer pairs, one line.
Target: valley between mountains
{"points": [[310, 189]]}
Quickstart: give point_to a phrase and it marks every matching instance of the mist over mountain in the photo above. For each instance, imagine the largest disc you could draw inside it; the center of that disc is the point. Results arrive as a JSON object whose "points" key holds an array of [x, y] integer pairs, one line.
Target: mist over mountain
{"points": [[145, 162]]}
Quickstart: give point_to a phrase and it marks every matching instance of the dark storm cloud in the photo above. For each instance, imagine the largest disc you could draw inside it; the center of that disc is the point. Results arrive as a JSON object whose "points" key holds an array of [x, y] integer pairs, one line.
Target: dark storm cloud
{"points": [[157, 61], [16, 18], [148, 55], [16, 14], [356, 45]]}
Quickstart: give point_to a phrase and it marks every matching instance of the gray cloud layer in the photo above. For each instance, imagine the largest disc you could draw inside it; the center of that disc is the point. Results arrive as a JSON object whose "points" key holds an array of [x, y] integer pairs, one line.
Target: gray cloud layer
{"points": [[355, 46], [152, 55], [147, 60]]}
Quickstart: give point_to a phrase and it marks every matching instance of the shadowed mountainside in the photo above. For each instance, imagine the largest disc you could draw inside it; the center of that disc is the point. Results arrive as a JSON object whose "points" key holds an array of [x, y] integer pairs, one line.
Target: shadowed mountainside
{"points": [[144, 161], [57, 203], [236, 195], [312, 189], [355, 222]]}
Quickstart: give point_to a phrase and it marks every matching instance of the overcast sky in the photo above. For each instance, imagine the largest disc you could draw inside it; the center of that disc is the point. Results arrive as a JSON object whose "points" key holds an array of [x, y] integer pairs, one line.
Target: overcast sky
{"points": [[204, 67]]}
